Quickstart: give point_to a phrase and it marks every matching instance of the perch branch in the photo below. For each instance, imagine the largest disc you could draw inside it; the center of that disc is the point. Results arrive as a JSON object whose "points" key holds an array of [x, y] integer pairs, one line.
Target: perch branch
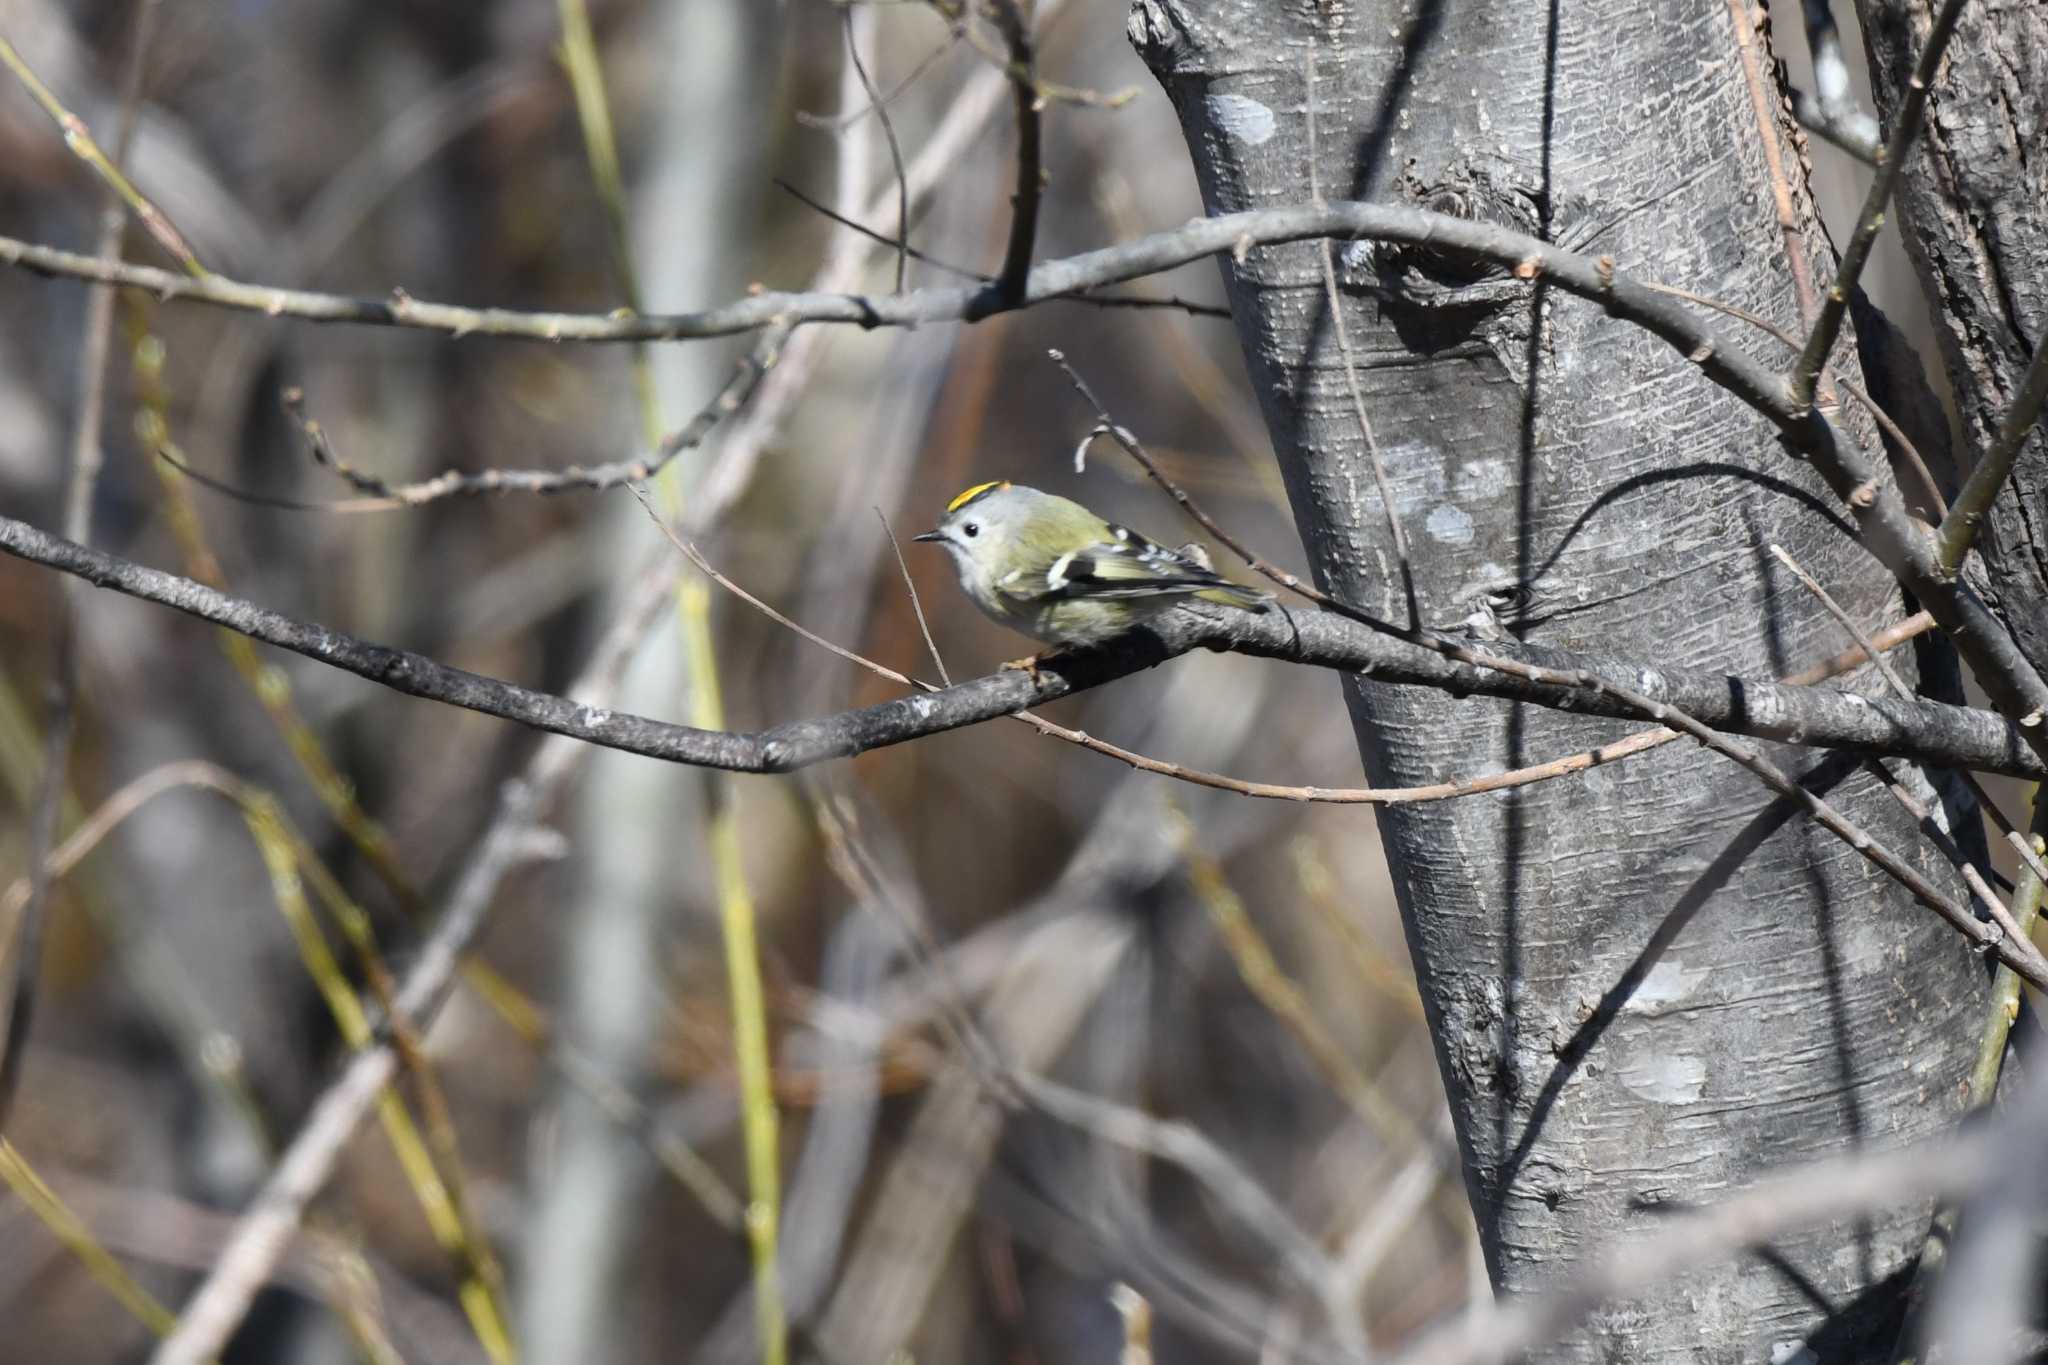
{"points": [[1951, 736]]}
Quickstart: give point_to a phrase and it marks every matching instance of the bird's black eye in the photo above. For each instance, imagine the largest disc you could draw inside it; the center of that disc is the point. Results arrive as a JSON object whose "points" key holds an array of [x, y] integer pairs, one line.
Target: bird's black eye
{"points": [[970, 530]]}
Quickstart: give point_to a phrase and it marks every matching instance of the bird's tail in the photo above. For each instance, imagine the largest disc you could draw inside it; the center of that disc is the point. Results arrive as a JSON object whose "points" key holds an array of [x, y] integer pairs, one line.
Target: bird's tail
{"points": [[1234, 595]]}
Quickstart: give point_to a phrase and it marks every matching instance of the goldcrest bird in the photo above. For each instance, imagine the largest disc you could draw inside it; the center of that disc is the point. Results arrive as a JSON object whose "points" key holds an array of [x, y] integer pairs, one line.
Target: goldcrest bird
{"points": [[1049, 567]]}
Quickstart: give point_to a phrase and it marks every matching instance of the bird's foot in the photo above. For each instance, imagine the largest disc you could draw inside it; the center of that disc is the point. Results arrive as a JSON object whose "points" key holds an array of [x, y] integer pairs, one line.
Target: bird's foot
{"points": [[1032, 663]]}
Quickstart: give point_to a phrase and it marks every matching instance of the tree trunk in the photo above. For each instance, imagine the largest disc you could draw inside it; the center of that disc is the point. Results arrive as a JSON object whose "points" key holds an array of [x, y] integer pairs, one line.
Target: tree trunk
{"points": [[1652, 983], [1970, 211]]}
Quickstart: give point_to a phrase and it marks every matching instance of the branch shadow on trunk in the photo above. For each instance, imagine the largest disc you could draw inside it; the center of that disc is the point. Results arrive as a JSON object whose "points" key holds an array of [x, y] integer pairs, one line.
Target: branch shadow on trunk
{"points": [[1822, 778]]}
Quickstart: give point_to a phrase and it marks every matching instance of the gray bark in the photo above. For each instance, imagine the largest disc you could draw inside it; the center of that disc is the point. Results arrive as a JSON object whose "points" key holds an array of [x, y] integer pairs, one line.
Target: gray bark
{"points": [[1649, 987], [1970, 209]]}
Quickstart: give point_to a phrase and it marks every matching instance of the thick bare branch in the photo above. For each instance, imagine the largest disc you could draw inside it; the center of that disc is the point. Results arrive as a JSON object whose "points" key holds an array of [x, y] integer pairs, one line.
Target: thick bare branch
{"points": [[1951, 736], [1014, 24]]}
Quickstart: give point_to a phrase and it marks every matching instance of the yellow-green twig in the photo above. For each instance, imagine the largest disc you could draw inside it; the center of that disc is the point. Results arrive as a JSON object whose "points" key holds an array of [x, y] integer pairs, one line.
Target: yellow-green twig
{"points": [[434, 1170], [79, 139], [69, 1229], [479, 1295], [760, 1123]]}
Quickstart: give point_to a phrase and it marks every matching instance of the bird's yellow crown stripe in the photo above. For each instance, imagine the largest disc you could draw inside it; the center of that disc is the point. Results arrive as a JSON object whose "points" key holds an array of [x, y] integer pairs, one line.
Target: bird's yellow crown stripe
{"points": [[971, 494]]}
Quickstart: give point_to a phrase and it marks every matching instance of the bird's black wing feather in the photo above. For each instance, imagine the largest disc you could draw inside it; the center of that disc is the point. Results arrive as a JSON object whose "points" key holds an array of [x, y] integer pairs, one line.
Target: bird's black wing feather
{"points": [[1130, 565]]}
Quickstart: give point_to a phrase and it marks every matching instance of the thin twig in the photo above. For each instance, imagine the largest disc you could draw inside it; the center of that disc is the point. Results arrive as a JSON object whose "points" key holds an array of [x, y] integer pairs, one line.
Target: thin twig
{"points": [[1170, 302], [837, 124], [1899, 689], [1844, 620], [2029, 856], [876, 103], [1973, 504], [1913, 806], [71, 1230], [746, 377], [1835, 303], [898, 243], [78, 138], [916, 607], [174, 457], [676, 1156], [1923, 815], [1763, 110], [293, 401], [108, 815]]}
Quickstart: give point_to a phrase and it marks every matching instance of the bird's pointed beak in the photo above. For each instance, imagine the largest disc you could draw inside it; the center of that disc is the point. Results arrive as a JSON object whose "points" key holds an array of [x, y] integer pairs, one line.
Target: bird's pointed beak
{"points": [[930, 536]]}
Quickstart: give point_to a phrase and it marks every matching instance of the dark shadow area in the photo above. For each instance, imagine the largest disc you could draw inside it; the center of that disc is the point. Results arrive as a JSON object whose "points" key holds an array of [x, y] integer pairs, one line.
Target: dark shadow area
{"points": [[1372, 144], [1371, 151], [1768, 570], [1858, 1331], [1865, 1327], [1517, 834], [1848, 1105]]}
